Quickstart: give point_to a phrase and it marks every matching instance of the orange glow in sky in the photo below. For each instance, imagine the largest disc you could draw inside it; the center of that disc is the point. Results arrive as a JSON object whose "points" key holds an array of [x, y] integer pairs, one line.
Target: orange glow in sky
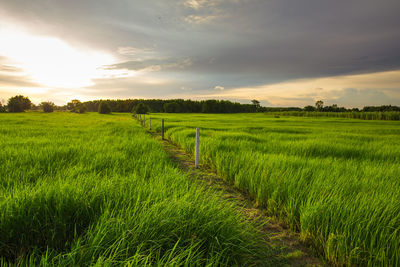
{"points": [[51, 62]]}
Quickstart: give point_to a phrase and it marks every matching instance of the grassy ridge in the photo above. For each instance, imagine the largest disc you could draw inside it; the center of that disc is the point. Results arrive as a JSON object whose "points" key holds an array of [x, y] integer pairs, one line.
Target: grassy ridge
{"points": [[335, 180], [85, 189]]}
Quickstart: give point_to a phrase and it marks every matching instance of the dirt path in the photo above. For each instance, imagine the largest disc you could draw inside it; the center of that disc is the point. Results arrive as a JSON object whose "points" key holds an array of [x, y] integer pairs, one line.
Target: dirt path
{"points": [[287, 242]]}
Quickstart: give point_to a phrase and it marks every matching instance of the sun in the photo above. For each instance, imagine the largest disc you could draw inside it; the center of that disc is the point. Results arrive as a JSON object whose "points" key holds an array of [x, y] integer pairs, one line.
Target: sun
{"points": [[52, 62]]}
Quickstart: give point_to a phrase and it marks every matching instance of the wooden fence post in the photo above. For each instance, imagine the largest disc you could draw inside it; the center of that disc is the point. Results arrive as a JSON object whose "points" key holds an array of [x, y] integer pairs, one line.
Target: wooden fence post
{"points": [[144, 120], [162, 129], [150, 122], [197, 147]]}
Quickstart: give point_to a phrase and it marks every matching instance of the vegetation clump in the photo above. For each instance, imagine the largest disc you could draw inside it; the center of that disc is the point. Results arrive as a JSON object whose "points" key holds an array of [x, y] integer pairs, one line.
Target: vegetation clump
{"points": [[141, 108], [172, 107], [2, 108], [18, 103], [47, 107], [104, 108], [76, 106]]}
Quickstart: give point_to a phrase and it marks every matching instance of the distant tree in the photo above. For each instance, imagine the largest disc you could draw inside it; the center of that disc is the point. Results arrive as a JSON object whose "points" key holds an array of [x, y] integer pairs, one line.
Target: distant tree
{"points": [[61, 108], [141, 109], [335, 108], [210, 106], [381, 108], [256, 104], [18, 103], [81, 108], [2, 108], [104, 108], [76, 106], [172, 107], [73, 105], [35, 107], [309, 108], [319, 104], [47, 107]]}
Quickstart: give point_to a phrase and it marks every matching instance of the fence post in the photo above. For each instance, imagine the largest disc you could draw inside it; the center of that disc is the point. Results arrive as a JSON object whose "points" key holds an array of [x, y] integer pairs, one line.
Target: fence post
{"points": [[162, 129], [197, 147], [150, 122], [144, 120]]}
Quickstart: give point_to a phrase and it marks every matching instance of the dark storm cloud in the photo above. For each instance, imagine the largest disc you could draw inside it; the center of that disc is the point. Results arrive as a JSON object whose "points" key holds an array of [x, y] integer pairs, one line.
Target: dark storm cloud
{"points": [[231, 43], [285, 40]]}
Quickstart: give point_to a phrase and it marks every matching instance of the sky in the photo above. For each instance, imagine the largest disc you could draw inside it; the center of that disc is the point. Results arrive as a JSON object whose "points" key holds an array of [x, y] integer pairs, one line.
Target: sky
{"points": [[280, 52]]}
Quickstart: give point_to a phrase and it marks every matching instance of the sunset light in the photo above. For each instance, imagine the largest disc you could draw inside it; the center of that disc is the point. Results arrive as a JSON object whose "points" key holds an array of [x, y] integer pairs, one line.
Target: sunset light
{"points": [[51, 62]]}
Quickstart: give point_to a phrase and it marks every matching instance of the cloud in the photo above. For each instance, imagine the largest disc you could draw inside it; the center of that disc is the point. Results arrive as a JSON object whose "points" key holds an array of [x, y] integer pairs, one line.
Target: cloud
{"points": [[198, 4], [16, 80], [8, 68], [218, 87], [200, 19], [183, 88], [206, 11], [195, 4], [262, 40], [244, 45], [152, 65], [133, 51], [360, 97], [347, 90]]}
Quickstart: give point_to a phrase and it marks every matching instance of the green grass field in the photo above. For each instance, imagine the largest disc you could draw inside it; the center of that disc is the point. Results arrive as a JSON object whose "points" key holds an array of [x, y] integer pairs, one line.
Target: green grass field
{"points": [[90, 189], [335, 180]]}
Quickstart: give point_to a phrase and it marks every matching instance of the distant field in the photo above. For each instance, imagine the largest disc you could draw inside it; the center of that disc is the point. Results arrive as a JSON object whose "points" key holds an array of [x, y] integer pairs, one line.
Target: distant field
{"points": [[336, 180], [387, 115], [87, 189]]}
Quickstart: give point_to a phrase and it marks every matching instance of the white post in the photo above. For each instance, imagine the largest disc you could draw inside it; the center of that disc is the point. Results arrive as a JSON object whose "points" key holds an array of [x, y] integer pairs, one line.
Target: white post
{"points": [[162, 129], [197, 147]]}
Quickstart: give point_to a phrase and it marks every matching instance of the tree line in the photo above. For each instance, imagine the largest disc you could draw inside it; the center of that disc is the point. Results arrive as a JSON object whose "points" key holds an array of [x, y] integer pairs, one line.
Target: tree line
{"points": [[384, 112], [177, 106], [21, 103]]}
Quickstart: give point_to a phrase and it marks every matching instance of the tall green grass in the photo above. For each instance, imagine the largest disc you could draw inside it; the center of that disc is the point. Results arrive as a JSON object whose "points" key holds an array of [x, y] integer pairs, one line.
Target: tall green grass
{"points": [[90, 189], [337, 181]]}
